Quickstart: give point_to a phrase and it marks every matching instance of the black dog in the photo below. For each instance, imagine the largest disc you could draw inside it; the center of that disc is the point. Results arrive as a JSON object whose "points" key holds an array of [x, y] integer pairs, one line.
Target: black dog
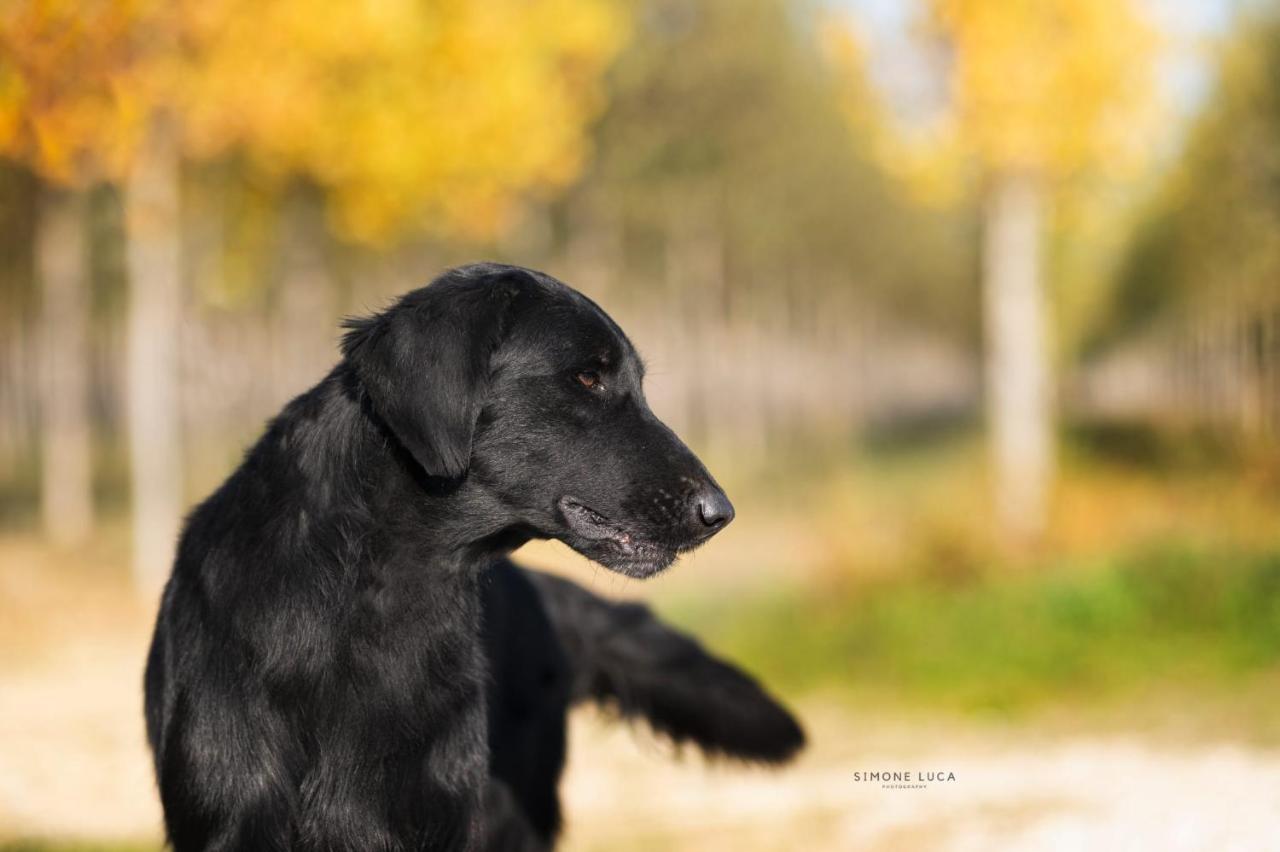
{"points": [[552, 644], [317, 675]]}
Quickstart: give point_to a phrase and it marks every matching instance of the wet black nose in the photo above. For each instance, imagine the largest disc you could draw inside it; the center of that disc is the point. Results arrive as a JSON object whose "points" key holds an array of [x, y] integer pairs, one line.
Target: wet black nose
{"points": [[714, 509]]}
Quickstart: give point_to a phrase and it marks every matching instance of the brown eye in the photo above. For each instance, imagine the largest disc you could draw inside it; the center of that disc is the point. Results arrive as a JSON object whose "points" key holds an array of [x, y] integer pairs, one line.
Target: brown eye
{"points": [[589, 379]]}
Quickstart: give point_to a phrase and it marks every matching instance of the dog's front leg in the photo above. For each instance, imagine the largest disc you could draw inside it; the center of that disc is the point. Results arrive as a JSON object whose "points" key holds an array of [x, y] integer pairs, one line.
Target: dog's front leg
{"points": [[505, 828], [224, 786]]}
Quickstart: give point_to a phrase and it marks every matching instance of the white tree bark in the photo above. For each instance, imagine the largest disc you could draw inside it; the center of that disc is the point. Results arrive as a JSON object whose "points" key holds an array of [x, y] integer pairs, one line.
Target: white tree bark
{"points": [[154, 316], [304, 321], [1018, 382], [66, 488]]}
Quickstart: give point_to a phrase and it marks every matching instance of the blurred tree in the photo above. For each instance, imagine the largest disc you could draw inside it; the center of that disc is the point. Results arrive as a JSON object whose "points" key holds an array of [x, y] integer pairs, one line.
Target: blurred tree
{"points": [[81, 87], [1212, 230], [724, 146], [1195, 297], [1041, 89], [152, 213], [412, 117], [58, 117], [66, 471]]}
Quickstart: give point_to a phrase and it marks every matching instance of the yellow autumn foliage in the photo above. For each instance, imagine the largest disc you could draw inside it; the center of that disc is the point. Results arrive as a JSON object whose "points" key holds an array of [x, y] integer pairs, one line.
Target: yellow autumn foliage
{"points": [[435, 115], [66, 108], [1049, 86]]}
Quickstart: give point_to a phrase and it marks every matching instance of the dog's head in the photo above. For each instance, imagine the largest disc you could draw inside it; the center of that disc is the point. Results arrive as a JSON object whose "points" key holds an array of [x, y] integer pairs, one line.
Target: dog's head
{"points": [[528, 390]]}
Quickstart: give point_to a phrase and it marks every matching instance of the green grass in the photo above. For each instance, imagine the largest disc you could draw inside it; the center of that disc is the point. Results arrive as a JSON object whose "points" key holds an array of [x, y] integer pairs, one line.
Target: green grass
{"points": [[1006, 643]]}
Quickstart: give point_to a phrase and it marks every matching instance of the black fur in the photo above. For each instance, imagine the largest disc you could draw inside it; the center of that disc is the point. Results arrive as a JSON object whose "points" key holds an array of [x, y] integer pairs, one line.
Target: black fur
{"points": [[317, 676], [530, 690], [552, 644]]}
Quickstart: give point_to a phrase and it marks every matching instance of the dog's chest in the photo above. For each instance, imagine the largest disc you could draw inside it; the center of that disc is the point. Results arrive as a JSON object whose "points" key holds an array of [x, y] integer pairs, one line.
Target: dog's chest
{"points": [[402, 722]]}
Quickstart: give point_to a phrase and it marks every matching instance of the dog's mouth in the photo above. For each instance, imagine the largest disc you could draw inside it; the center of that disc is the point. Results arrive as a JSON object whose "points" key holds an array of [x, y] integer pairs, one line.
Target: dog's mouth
{"points": [[612, 544]]}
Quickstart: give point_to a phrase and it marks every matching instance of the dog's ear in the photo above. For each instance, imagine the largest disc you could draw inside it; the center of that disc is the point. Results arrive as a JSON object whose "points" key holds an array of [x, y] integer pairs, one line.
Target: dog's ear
{"points": [[424, 363]]}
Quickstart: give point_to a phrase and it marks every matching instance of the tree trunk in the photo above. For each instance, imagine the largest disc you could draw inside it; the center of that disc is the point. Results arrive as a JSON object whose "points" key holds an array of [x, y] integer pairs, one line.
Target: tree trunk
{"points": [[154, 314], [66, 492], [1019, 419], [594, 251], [695, 279], [304, 320]]}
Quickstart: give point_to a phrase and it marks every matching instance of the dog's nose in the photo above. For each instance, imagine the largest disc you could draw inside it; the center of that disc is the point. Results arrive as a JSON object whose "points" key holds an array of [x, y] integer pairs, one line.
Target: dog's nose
{"points": [[714, 509]]}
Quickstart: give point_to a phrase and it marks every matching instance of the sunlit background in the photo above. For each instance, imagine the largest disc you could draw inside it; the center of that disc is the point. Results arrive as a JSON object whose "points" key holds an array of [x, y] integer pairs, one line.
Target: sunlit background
{"points": [[973, 306]]}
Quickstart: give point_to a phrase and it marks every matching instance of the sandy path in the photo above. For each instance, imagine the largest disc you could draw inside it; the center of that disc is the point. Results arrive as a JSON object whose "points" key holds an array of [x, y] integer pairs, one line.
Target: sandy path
{"points": [[1012, 792], [73, 764]]}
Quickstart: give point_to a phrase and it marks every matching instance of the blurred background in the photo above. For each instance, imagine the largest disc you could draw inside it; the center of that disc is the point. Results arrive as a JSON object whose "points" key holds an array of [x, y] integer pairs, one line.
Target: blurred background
{"points": [[971, 305]]}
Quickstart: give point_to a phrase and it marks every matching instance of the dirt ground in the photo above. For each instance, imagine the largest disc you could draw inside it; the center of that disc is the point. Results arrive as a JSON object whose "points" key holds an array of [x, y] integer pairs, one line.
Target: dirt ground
{"points": [[1017, 792], [73, 763]]}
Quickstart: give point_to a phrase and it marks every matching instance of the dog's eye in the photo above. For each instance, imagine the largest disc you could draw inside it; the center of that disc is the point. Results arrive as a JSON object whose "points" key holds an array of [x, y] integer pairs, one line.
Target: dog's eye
{"points": [[589, 379]]}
